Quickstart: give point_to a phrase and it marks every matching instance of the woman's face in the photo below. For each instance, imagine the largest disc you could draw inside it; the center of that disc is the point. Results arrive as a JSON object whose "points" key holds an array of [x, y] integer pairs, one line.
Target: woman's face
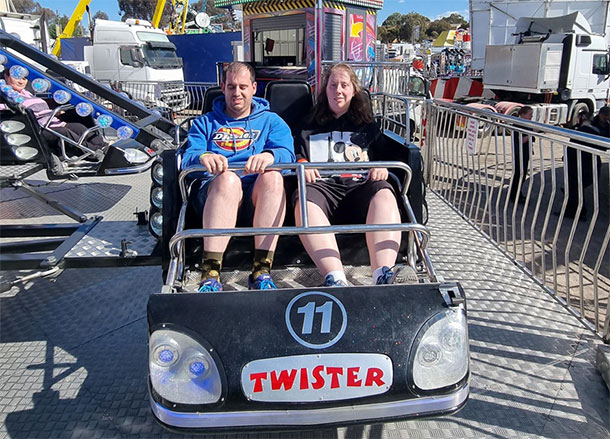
{"points": [[17, 84], [340, 92]]}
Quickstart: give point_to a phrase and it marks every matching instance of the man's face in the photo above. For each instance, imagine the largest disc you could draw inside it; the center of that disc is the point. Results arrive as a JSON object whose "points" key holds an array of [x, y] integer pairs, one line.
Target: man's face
{"points": [[604, 118], [238, 90]]}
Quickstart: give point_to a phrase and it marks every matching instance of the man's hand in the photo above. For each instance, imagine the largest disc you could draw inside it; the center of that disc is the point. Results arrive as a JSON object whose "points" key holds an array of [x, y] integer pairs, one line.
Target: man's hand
{"points": [[378, 174], [311, 175], [214, 163], [257, 164]]}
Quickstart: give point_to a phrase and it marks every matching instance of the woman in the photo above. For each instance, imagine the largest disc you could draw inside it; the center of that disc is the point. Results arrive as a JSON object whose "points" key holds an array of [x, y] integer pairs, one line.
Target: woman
{"points": [[342, 128], [40, 108]]}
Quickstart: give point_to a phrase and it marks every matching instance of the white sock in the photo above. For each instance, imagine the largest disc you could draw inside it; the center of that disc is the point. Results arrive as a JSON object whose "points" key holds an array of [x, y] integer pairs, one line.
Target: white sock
{"points": [[377, 273], [338, 275]]}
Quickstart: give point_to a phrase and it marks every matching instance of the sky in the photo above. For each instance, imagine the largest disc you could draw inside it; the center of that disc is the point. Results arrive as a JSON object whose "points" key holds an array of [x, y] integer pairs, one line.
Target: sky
{"points": [[432, 9]]}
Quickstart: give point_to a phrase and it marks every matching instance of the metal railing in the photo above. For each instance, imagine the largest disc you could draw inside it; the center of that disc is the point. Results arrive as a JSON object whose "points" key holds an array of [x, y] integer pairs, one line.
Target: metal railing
{"points": [[381, 76], [547, 207]]}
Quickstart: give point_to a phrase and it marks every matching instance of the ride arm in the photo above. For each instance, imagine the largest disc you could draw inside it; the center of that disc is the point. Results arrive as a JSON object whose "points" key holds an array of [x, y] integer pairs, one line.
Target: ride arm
{"points": [[72, 24], [158, 13]]}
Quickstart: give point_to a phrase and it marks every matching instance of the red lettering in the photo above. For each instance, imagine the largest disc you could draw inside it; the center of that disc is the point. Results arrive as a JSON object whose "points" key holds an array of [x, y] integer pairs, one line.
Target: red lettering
{"points": [[352, 377], [374, 375], [333, 372], [285, 379], [317, 375], [304, 379], [258, 380]]}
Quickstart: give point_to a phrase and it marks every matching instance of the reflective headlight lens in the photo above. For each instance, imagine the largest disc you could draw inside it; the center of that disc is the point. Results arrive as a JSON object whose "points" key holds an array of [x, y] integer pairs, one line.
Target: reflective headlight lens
{"points": [[135, 156], [11, 126], [157, 173], [155, 224], [156, 197], [181, 370], [17, 139], [24, 152], [441, 354]]}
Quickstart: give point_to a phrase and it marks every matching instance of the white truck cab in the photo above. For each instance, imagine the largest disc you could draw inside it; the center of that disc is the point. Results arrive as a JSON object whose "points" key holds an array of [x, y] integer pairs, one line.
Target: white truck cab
{"points": [[142, 59]]}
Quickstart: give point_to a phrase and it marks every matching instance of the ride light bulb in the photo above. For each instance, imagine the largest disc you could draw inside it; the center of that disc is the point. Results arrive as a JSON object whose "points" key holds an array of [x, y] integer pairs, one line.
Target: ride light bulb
{"points": [[165, 355], [104, 120], [84, 109], [124, 132], [62, 97], [40, 85], [19, 72], [429, 354]]}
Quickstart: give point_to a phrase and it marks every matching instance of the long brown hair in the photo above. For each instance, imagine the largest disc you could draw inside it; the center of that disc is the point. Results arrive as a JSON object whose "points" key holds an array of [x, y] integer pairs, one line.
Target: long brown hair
{"points": [[359, 111]]}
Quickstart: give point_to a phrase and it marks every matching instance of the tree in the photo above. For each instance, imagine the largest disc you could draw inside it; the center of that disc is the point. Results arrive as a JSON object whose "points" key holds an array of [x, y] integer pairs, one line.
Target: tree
{"points": [[101, 15], [399, 27], [142, 9], [446, 23], [32, 7]]}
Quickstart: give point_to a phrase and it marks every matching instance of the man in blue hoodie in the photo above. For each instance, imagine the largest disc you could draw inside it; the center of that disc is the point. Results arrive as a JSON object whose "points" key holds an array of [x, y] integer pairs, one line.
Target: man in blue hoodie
{"points": [[239, 129]]}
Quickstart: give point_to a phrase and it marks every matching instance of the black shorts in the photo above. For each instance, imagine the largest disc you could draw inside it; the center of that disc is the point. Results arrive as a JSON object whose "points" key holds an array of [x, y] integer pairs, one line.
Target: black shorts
{"points": [[245, 214], [344, 200]]}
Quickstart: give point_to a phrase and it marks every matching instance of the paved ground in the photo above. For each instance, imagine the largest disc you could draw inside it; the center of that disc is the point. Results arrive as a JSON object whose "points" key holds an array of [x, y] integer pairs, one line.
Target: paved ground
{"points": [[73, 354]]}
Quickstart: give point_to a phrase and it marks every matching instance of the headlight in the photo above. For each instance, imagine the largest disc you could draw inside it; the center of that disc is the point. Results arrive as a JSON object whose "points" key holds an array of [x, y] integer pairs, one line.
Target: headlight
{"points": [[135, 156], [17, 139], [440, 354], [156, 196], [157, 172], [155, 223], [24, 152], [181, 370], [11, 126]]}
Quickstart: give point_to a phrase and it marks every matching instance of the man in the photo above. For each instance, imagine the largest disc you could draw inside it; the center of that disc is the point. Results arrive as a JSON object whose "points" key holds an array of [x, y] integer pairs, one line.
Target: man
{"points": [[239, 129], [521, 156], [602, 121]]}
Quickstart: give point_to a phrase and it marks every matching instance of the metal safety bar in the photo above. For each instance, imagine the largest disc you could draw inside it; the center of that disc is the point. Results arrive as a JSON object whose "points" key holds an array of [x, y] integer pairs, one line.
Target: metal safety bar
{"points": [[513, 194]]}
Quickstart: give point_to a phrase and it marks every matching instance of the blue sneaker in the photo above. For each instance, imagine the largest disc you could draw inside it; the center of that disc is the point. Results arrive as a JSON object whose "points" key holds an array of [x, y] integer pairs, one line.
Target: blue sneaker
{"points": [[330, 281], [210, 285], [262, 282], [387, 276]]}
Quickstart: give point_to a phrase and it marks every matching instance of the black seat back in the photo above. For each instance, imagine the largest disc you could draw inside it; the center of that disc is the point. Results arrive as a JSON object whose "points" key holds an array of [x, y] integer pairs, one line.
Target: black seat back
{"points": [[292, 100], [209, 96]]}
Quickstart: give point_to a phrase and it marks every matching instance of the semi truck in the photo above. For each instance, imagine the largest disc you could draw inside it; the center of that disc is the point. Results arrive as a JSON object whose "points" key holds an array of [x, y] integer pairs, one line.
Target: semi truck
{"points": [[555, 61], [141, 59]]}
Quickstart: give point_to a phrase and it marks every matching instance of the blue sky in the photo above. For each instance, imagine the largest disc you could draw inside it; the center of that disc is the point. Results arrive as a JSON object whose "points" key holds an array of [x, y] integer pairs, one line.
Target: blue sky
{"points": [[430, 8]]}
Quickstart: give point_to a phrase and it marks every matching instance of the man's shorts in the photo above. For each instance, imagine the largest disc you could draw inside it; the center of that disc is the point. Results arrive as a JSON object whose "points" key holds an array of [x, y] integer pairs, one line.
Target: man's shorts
{"points": [[344, 200], [245, 213]]}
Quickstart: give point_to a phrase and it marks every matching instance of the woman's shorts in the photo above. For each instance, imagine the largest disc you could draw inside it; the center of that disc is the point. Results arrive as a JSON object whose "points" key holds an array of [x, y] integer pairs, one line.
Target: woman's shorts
{"points": [[344, 200]]}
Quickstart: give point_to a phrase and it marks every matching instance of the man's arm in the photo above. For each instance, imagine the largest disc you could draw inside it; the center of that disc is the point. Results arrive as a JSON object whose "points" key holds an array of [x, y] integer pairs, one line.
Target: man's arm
{"points": [[197, 143], [280, 142]]}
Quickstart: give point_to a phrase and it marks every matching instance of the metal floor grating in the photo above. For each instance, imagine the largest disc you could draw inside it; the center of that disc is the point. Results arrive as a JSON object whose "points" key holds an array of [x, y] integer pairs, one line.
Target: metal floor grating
{"points": [[73, 351]]}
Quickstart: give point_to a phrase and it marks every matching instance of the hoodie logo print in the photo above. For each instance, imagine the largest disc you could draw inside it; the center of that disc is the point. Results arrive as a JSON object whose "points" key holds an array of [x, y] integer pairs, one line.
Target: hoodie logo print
{"points": [[225, 136]]}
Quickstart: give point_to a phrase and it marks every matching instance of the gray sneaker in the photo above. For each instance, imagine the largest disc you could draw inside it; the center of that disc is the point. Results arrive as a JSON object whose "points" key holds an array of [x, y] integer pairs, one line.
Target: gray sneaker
{"points": [[399, 274]]}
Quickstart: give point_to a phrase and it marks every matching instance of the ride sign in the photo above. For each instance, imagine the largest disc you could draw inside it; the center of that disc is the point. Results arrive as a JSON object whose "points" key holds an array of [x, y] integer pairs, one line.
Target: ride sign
{"points": [[316, 377]]}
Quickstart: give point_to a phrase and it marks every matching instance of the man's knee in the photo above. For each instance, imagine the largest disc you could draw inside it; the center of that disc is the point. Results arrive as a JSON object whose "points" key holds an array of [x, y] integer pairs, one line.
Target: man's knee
{"points": [[270, 182], [225, 184]]}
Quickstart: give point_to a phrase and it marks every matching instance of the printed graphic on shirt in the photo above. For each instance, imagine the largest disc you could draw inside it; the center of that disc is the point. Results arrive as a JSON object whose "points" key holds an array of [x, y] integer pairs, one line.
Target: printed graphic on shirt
{"points": [[235, 138], [338, 146]]}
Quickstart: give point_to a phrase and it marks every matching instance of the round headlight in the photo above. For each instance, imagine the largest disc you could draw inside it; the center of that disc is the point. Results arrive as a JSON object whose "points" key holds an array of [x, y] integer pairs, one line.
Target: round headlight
{"points": [[440, 356], [155, 224], [24, 152], [156, 197], [17, 139], [124, 132], [11, 126], [157, 172], [189, 376]]}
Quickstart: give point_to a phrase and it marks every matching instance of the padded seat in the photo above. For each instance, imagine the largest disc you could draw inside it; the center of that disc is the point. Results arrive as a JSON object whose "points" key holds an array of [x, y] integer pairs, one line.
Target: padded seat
{"points": [[292, 100]]}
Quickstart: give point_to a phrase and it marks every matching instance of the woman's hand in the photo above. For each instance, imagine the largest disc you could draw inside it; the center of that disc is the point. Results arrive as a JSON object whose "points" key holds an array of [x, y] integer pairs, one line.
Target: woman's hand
{"points": [[378, 174], [311, 175]]}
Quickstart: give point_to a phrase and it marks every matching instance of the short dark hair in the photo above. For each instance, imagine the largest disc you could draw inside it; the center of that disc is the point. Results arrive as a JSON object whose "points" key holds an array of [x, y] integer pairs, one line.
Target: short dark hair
{"points": [[526, 109], [238, 66], [605, 110]]}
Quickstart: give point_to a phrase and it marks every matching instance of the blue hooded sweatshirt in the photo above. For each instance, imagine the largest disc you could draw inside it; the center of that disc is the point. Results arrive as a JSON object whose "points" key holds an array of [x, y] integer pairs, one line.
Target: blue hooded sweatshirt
{"points": [[238, 139]]}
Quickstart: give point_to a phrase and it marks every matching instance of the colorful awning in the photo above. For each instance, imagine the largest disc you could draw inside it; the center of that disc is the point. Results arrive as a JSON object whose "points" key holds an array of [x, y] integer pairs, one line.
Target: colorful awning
{"points": [[373, 4]]}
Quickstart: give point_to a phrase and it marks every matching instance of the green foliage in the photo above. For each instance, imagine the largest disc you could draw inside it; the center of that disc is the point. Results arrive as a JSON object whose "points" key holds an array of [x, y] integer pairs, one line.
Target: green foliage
{"points": [[400, 27]]}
